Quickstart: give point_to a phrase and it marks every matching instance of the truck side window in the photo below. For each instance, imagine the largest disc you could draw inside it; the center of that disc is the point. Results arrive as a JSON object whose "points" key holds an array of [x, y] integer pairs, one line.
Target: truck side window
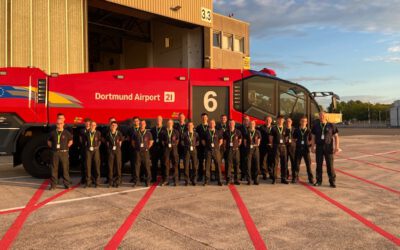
{"points": [[259, 96], [292, 102]]}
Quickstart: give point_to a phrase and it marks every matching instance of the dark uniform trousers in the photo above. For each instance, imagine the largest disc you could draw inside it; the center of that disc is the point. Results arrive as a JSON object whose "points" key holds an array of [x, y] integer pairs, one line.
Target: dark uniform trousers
{"points": [[243, 162], [181, 154], [156, 156], [325, 151], [267, 161], [303, 152], [253, 164], [201, 155], [213, 155], [83, 164], [171, 156], [93, 157], [60, 157], [280, 155], [142, 158], [191, 159], [114, 166], [232, 160], [291, 156]]}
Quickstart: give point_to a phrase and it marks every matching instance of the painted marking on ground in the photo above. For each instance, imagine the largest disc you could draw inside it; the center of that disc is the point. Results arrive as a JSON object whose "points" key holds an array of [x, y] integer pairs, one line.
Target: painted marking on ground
{"points": [[370, 163], [355, 215], [255, 236], [379, 155], [369, 182], [124, 228]]}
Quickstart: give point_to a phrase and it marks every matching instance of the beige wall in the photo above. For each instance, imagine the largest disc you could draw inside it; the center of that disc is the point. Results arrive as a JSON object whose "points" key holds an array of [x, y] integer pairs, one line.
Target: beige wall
{"points": [[3, 30], [228, 59], [190, 11], [48, 34]]}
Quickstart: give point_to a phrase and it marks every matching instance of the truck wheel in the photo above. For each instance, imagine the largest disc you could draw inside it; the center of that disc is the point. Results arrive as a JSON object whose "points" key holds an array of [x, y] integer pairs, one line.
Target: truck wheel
{"points": [[36, 157]]}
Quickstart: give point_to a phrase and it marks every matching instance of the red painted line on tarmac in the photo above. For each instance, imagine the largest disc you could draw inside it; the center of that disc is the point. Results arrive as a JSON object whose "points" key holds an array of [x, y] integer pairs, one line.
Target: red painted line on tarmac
{"points": [[13, 231], [355, 215], [369, 182], [255, 236], [15, 228], [369, 163], [119, 235]]}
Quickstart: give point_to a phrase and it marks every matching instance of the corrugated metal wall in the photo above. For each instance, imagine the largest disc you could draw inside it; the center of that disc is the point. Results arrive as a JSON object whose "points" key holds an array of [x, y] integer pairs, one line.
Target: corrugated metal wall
{"points": [[190, 11], [48, 34]]}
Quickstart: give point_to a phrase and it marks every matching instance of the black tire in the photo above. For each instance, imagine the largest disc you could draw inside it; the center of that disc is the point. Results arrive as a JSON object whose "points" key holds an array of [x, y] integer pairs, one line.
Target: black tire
{"points": [[36, 157]]}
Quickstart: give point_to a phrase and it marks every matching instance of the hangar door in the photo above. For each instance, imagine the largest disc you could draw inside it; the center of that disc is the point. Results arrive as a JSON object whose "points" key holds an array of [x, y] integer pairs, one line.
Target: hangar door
{"points": [[211, 100]]}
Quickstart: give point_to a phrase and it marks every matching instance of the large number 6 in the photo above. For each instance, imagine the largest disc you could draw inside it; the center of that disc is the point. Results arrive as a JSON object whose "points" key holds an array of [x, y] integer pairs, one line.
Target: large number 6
{"points": [[209, 99]]}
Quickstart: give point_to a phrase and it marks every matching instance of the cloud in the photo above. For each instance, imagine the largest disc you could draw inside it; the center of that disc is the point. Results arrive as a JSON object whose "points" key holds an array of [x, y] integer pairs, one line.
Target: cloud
{"points": [[387, 59], [269, 64], [316, 63], [394, 49], [306, 79], [293, 17]]}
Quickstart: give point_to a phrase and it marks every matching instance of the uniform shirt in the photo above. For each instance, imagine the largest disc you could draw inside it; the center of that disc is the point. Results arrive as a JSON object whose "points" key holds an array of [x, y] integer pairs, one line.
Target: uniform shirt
{"points": [[213, 137], [265, 133], [93, 139], [170, 137], [140, 137], [156, 134], [82, 136], [232, 137], [132, 131], [328, 130], [290, 139], [202, 131], [62, 138], [114, 140], [189, 139], [302, 135], [222, 127], [252, 137], [180, 128], [279, 135]]}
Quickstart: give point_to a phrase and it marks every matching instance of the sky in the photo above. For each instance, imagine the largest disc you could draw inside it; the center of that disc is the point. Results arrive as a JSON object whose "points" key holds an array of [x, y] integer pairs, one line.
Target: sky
{"points": [[350, 47]]}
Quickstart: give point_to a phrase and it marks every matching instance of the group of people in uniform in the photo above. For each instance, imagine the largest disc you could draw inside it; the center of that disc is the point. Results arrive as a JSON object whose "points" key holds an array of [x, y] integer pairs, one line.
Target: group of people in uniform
{"points": [[247, 151]]}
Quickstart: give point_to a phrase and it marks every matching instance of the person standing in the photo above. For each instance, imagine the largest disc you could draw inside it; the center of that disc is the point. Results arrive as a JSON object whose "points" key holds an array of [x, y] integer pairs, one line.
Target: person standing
{"points": [[189, 142], [212, 143], [113, 141], [252, 142], [277, 140], [82, 141], [202, 129], [325, 143], [142, 141], [244, 129], [302, 135], [291, 147], [133, 129], [60, 140], [181, 128], [170, 142], [266, 156], [157, 150], [93, 142], [232, 141]]}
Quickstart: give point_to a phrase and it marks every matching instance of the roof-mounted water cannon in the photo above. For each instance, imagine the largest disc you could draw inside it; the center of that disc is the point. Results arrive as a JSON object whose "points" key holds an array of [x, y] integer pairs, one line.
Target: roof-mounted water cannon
{"points": [[268, 71], [335, 97]]}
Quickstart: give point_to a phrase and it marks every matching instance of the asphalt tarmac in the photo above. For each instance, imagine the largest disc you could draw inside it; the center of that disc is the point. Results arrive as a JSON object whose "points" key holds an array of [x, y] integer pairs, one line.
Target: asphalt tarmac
{"points": [[361, 213]]}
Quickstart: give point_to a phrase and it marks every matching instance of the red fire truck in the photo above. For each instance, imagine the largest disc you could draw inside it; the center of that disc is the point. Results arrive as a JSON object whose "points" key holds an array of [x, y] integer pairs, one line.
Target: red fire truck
{"points": [[30, 101]]}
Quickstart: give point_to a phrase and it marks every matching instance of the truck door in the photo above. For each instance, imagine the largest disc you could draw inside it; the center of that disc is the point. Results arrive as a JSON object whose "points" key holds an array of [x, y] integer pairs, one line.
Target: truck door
{"points": [[212, 100]]}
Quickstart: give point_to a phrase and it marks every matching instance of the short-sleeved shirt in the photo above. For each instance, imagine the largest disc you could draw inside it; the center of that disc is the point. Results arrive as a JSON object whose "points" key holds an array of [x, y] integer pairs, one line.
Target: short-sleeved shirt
{"points": [[302, 136], [328, 130], [232, 137], [190, 139], [142, 140], [213, 138], [265, 133], [93, 139], [114, 140], [252, 137], [279, 135], [156, 133], [59, 137], [170, 137]]}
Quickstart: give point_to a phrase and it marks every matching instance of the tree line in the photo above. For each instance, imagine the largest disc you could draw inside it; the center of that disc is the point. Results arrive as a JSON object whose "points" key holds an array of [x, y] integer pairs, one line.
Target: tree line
{"points": [[362, 111]]}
